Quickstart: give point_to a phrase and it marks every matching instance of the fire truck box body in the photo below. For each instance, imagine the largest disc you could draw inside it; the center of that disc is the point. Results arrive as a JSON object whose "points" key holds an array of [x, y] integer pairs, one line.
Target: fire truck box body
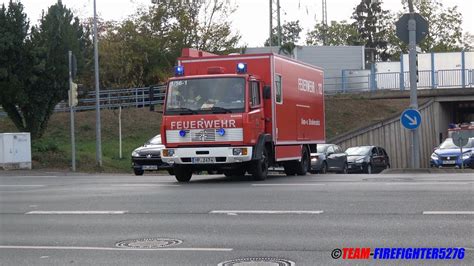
{"points": [[279, 115]]}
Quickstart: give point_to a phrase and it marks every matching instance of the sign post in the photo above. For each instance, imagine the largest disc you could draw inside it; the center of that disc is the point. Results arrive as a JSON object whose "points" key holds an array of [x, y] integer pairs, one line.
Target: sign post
{"points": [[460, 139], [71, 112], [415, 27]]}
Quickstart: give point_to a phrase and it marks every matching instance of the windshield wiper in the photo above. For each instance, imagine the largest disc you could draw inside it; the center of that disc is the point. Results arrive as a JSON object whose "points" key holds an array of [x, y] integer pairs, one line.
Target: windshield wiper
{"points": [[218, 109], [183, 111]]}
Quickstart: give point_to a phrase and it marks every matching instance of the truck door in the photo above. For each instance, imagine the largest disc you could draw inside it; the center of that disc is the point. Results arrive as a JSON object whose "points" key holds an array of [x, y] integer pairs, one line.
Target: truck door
{"points": [[256, 115]]}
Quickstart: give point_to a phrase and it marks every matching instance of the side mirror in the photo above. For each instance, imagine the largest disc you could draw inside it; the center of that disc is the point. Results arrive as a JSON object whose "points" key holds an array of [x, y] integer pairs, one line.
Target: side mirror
{"points": [[267, 93]]}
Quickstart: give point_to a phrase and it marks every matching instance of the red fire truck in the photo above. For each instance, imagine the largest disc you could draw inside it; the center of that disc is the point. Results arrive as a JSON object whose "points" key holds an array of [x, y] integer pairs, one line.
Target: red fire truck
{"points": [[242, 114]]}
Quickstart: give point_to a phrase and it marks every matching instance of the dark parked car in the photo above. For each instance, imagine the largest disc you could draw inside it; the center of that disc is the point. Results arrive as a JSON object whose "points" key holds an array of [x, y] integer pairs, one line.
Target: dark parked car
{"points": [[328, 158], [148, 157], [367, 159]]}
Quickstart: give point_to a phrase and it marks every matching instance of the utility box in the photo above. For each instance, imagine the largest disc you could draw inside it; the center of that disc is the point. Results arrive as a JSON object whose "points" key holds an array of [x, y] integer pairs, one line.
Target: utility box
{"points": [[15, 151]]}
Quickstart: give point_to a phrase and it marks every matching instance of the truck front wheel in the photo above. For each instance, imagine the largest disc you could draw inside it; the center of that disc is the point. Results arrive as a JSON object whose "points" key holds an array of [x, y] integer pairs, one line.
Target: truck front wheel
{"points": [[303, 165], [260, 167], [183, 174]]}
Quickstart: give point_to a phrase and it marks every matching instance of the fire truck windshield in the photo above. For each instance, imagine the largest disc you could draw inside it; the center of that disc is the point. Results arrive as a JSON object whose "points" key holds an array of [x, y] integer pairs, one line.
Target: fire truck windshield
{"points": [[206, 95]]}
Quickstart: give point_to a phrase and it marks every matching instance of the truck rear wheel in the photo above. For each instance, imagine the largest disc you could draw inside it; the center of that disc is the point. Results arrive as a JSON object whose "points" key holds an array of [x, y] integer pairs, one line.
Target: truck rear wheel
{"points": [[260, 167], [303, 165], [183, 174]]}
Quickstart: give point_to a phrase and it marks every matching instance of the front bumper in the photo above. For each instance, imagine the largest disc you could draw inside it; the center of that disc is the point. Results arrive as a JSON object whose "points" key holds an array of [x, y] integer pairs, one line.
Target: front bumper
{"points": [[356, 167], [316, 164], [221, 155], [469, 162], [144, 163]]}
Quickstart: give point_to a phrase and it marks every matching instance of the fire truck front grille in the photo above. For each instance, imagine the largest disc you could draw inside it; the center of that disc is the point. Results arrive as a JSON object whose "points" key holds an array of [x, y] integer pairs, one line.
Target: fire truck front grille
{"points": [[204, 135]]}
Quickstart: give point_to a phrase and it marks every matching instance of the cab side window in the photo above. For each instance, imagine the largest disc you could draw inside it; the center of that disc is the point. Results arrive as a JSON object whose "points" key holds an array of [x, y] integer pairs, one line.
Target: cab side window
{"points": [[254, 94]]}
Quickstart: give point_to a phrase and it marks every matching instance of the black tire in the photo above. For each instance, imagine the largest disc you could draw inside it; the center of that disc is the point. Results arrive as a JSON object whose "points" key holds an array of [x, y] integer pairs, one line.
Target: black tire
{"points": [[170, 171], [303, 166], [344, 169], [324, 168], [260, 167], [138, 171], [368, 169], [183, 174]]}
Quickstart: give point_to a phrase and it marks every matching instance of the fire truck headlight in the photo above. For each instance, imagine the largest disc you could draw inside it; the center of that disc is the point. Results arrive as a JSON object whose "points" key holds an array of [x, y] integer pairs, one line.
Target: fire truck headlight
{"points": [[239, 151], [221, 132], [167, 152], [182, 133]]}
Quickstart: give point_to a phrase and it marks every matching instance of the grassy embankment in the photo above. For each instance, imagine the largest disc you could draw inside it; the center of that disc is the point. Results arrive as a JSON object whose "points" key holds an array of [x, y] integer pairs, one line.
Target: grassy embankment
{"points": [[53, 151]]}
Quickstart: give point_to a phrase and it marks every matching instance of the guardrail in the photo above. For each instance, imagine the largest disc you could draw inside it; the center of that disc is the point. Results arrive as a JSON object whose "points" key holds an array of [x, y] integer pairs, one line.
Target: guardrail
{"points": [[427, 79], [362, 80]]}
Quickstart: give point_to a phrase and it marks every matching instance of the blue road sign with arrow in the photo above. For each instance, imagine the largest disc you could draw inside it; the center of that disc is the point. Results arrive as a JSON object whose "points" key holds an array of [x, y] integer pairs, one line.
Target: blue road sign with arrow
{"points": [[410, 119]]}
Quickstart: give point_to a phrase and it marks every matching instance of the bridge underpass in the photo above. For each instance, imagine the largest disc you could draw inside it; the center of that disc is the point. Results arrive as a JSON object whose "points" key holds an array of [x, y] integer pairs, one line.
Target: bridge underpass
{"points": [[440, 108]]}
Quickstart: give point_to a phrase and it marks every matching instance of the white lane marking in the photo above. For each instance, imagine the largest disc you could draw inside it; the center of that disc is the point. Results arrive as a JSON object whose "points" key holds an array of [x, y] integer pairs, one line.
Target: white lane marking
{"points": [[429, 183], [22, 185], [288, 184], [144, 185], [28, 176], [449, 212], [112, 248], [236, 212], [76, 212]]}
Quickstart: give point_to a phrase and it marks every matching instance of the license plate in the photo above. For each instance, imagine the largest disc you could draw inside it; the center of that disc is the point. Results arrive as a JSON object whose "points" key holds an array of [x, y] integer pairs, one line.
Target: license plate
{"points": [[150, 167], [204, 160], [449, 162], [349, 166]]}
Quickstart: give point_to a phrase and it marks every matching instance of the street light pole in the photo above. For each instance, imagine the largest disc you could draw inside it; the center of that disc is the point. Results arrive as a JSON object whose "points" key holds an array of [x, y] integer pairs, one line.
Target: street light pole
{"points": [[415, 144], [98, 151]]}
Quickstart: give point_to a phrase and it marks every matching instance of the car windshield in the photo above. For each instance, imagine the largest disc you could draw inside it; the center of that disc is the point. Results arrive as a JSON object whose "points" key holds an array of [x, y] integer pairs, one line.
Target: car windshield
{"points": [[206, 95], [449, 144], [322, 147], [156, 140], [354, 151]]}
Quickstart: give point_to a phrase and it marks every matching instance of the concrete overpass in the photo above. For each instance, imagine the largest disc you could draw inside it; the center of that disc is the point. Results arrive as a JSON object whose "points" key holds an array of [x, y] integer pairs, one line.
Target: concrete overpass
{"points": [[440, 108]]}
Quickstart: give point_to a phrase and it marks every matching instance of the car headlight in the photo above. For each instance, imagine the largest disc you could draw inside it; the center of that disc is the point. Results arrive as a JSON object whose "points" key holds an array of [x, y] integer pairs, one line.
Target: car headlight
{"points": [[434, 156], [360, 160], [135, 154], [167, 152], [466, 155]]}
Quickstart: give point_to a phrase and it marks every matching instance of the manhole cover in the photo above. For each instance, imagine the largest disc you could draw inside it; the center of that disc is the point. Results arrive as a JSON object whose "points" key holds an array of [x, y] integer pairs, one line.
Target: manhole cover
{"points": [[258, 261], [149, 243]]}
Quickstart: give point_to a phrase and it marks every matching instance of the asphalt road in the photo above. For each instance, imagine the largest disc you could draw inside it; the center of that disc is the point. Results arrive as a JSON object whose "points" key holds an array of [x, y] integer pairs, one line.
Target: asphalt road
{"points": [[58, 219]]}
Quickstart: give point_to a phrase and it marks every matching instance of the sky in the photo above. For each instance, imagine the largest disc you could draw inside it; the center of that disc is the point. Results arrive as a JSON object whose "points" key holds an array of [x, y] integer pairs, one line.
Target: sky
{"points": [[251, 18]]}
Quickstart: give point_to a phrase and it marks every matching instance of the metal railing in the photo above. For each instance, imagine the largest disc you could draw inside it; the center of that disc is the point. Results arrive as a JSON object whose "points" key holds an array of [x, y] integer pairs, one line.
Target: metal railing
{"points": [[427, 79], [363, 80]]}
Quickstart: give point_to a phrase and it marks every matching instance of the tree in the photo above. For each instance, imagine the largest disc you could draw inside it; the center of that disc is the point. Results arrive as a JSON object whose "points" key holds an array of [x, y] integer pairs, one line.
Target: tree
{"points": [[143, 49], [338, 33], [445, 27], [290, 35], [42, 78], [373, 25]]}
